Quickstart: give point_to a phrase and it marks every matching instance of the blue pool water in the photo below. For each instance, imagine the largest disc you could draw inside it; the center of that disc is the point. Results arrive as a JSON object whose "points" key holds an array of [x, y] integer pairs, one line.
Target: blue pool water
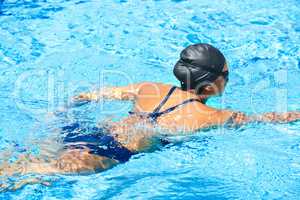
{"points": [[52, 49]]}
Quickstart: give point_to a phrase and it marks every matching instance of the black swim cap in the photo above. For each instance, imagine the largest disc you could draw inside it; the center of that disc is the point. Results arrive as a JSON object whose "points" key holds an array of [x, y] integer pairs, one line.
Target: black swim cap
{"points": [[199, 65]]}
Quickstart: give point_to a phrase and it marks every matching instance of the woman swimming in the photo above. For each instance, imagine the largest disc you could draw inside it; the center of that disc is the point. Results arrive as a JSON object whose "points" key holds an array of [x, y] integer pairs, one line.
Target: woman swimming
{"points": [[202, 71]]}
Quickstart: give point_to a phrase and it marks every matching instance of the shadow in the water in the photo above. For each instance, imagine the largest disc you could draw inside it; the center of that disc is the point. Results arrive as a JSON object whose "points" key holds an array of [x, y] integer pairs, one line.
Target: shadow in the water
{"points": [[1, 2]]}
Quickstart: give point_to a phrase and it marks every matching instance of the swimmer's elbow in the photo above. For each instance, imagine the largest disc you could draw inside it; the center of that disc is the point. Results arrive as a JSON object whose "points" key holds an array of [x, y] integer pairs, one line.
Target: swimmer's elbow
{"points": [[233, 118]]}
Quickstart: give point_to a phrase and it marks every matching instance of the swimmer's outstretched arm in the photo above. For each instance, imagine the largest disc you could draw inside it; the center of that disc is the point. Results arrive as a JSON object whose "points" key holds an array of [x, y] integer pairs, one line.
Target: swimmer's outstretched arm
{"points": [[128, 92], [239, 118]]}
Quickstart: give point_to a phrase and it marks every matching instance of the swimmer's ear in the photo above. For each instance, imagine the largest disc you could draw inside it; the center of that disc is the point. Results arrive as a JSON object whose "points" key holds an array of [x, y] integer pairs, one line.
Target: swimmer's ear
{"points": [[209, 88]]}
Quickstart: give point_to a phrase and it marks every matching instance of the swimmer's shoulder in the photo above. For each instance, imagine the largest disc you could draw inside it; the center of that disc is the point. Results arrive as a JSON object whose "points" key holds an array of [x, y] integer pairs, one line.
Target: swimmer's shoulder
{"points": [[162, 89], [150, 87], [154, 84]]}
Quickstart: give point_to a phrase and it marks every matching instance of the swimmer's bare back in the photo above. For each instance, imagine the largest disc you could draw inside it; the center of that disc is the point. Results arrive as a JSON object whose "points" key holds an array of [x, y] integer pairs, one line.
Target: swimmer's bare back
{"points": [[146, 96]]}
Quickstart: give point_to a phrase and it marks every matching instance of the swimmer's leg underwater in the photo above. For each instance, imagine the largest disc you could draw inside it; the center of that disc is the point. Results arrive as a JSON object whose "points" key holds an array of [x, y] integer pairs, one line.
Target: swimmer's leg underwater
{"points": [[69, 161]]}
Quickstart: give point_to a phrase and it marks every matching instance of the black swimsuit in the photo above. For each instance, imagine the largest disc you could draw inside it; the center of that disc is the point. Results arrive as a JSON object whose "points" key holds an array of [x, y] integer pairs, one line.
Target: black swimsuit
{"points": [[100, 142]]}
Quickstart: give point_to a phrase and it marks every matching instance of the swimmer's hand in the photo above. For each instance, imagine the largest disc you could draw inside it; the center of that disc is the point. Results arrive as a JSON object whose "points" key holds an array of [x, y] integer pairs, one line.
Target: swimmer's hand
{"points": [[239, 118], [116, 93]]}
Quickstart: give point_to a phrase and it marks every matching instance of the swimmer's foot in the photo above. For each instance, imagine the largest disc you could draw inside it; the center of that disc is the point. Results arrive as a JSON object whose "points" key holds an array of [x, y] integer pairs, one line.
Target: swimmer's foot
{"points": [[18, 185], [29, 181]]}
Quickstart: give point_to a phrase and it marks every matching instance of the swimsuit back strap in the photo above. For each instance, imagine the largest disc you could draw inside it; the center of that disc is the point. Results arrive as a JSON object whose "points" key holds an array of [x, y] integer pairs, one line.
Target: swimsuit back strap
{"points": [[158, 114], [156, 110]]}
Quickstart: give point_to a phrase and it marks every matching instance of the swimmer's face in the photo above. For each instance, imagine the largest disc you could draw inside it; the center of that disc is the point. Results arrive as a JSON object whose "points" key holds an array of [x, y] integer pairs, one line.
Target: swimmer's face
{"points": [[218, 86]]}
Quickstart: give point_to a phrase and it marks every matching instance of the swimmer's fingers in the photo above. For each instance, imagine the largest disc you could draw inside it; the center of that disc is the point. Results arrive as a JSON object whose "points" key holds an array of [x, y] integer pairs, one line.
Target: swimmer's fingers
{"points": [[82, 99], [86, 97]]}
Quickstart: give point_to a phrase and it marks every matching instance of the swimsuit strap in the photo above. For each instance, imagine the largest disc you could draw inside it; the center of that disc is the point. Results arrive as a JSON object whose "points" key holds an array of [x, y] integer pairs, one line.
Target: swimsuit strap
{"points": [[164, 100], [154, 116]]}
